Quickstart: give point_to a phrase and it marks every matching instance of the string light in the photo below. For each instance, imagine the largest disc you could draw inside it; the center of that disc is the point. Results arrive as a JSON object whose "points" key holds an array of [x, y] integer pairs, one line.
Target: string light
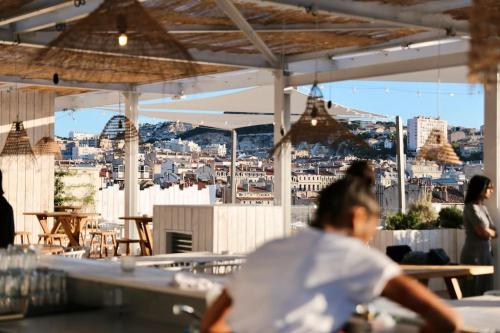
{"points": [[419, 93], [123, 39]]}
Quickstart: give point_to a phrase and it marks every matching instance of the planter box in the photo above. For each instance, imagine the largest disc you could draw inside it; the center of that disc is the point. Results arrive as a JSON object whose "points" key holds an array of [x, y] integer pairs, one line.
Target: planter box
{"points": [[451, 240]]}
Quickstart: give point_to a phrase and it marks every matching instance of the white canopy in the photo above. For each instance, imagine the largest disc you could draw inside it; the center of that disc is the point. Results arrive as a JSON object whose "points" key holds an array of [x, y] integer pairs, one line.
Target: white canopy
{"points": [[253, 106]]}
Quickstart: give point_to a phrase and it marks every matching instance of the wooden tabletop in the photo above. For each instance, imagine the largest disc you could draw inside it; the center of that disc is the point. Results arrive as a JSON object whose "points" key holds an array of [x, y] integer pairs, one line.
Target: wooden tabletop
{"points": [[137, 218], [431, 271], [61, 214]]}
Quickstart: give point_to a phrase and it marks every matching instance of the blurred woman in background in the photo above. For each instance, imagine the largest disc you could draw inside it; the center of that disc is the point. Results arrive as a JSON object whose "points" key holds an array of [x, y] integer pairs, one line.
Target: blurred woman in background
{"points": [[479, 230]]}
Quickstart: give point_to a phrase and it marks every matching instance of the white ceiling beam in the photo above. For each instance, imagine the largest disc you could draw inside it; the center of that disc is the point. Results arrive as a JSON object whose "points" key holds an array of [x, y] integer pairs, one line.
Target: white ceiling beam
{"points": [[40, 39], [403, 41], [389, 63], [95, 99], [325, 27], [65, 14], [234, 14], [65, 84], [439, 6], [321, 60], [34, 9], [382, 13]]}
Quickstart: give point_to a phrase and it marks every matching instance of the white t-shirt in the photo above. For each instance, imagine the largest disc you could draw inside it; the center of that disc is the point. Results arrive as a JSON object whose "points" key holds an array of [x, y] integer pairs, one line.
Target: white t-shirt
{"points": [[310, 282]]}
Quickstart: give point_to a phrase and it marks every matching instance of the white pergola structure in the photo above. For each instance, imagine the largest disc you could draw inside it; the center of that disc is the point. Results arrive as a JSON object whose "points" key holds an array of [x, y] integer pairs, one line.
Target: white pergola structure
{"points": [[283, 43]]}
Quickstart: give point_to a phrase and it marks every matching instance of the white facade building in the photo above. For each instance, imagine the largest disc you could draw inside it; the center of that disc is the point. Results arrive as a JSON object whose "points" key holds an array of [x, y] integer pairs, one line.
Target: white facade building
{"points": [[85, 153], [217, 149], [82, 136], [177, 145], [168, 167], [419, 129]]}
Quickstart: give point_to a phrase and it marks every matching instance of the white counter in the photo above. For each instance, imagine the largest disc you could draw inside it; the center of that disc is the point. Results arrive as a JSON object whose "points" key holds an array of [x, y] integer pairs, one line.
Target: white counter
{"points": [[110, 272]]}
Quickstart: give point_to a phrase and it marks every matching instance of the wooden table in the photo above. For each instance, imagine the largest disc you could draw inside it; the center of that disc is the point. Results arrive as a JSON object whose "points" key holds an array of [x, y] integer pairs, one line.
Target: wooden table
{"points": [[71, 222], [450, 274], [145, 236], [68, 208]]}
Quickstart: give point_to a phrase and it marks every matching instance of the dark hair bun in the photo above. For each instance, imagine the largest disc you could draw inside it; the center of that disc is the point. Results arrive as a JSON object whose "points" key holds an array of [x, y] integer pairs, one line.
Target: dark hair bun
{"points": [[362, 170]]}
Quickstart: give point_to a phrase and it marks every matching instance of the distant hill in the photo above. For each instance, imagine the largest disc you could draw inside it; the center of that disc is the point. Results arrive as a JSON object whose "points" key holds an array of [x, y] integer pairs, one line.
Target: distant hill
{"points": [[163, 131]]}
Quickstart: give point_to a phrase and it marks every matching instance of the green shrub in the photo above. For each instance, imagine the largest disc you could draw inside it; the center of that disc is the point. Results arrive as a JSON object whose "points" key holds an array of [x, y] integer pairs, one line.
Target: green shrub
{"points": [[402, 221], [451, 218]]}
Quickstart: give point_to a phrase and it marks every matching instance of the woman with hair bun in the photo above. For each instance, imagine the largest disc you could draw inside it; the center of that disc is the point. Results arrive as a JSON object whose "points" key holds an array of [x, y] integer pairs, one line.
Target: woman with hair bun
{"points": [[363, 170]]}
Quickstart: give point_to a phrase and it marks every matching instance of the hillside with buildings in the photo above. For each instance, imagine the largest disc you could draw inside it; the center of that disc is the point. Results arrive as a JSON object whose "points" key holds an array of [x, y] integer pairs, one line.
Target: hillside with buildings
{"points": [[178, 154]]}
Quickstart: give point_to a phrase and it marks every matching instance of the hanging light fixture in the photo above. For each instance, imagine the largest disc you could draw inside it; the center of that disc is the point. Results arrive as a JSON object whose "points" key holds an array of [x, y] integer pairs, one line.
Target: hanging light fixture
{"points": [[121, 25], [18, 142], [316, 125], [119, 127], [438, 149], [49, 146]]}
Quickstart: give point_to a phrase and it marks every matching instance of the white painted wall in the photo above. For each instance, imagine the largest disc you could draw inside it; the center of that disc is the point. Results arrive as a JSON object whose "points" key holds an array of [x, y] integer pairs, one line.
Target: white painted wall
{"points": [[28, 184]]}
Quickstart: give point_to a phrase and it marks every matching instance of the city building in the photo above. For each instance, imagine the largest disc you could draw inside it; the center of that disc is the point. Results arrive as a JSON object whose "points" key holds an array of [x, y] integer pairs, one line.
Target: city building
{"points": [[419, 129], [216, 149]]}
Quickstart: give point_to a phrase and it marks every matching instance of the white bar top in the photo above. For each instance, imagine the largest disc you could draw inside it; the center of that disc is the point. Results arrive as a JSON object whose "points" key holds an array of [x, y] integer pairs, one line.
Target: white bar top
{"points": [[480, 313], [110, 272]]}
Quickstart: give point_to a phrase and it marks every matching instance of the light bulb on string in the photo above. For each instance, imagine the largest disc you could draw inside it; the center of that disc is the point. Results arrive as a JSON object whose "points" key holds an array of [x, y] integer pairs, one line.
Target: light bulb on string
{"points": [[123, 39], [121, 25], [314, 114]]}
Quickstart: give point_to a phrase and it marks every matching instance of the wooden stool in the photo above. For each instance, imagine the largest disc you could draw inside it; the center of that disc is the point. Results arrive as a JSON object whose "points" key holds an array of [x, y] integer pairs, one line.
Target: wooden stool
{"points": [[127, 243], [50, 238], [24, 236], [103, 237]]}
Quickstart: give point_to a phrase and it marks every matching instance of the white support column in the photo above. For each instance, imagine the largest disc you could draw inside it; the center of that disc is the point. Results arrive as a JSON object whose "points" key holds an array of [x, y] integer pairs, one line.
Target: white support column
{"points": [[400, 153], [282, 161], [492, 157], [131, 176], [234, 186]]}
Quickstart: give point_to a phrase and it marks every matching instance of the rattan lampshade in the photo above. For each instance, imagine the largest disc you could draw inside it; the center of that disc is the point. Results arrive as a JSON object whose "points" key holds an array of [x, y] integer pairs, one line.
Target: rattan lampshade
{"points": [[437, 149], [317, 126], [18, 142], [48, 145], [98, 35], [484, 54], [119, 127]]}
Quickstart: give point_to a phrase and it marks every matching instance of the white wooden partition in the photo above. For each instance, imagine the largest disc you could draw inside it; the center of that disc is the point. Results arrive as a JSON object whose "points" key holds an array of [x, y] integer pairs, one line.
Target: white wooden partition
{"points": [[220, 228], [28, 184], [110, 201]]}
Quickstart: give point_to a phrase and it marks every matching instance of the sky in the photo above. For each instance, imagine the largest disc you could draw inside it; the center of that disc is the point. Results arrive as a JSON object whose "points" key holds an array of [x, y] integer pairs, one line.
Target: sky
{"points": [[459, 104]]}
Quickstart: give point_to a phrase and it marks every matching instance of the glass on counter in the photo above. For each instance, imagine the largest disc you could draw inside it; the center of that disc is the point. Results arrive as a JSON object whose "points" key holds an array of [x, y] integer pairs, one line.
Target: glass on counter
{"points": [[24, 285]]}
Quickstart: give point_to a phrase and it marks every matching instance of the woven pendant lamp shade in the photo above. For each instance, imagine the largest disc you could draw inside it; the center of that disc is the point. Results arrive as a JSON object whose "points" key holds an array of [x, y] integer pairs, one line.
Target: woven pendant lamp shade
{"points": [[18, 142], [484, 54], [317, 126], [48, 145], [119, 127], [97, 38], [437, 149]]}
